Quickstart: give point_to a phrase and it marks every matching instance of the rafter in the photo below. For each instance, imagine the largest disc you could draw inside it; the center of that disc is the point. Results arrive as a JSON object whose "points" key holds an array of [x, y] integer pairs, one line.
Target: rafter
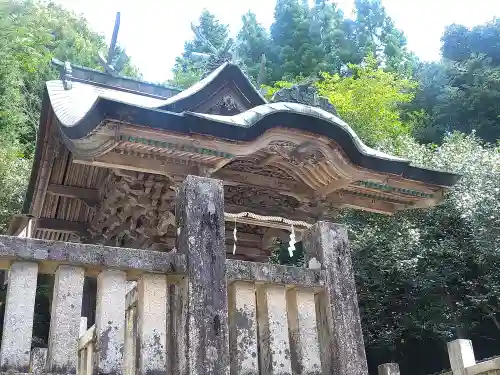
{"points": [[63, 226], [333, 186], [89, 196]]}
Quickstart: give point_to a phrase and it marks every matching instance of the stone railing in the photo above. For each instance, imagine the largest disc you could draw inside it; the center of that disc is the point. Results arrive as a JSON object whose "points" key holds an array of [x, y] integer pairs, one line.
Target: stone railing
{"points": [[190, 312], [462, 361]]}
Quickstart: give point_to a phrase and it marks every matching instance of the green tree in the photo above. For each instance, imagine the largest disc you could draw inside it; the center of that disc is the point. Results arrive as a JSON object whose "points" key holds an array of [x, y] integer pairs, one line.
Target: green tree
{"points": [[252, 42], [188, 69], [31, 34], [376, 34], [460, 92], [369, 100], [291, 42], [430, 275]]}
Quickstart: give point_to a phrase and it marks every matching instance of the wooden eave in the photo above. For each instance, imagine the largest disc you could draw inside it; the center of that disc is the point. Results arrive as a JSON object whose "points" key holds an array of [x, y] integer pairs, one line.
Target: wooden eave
{"points": [[278, 159]]}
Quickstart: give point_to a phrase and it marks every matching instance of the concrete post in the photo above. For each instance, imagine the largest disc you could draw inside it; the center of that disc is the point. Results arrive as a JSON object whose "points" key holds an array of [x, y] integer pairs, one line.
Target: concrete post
{"points": [[83, 325], [110, 321], [243, 321], [327, 242], [304, 340], [273, 330], [38, 361], [18, 319], [388, 369], [461, 356], [152, 324], [204, 347], [65, 320]]}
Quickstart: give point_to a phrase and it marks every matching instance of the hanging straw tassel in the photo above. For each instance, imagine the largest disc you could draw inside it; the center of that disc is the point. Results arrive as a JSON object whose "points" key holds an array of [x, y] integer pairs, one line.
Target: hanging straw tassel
{"points": [[235, 238], [291, 247]]}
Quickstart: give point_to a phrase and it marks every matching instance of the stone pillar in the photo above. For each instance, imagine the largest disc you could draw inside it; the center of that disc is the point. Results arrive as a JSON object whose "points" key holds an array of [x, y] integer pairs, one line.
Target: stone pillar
{"points": [[275, 355], [65, 320], [152, 324], [201, 237], [38, 361], [130, 350], [304, 341], [388, 369], [83, 325], [327, 242], [461, 356], [243, 329], [18, 319], [110, 321]]}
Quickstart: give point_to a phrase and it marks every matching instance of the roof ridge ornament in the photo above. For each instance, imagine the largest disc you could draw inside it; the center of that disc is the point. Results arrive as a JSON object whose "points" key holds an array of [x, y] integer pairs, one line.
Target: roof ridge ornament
{"points": [[117, 59], [304, 93]]}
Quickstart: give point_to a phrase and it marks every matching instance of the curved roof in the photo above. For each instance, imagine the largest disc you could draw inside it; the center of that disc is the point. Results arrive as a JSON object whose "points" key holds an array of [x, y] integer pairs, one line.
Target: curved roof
{"points": [[83, 109]]}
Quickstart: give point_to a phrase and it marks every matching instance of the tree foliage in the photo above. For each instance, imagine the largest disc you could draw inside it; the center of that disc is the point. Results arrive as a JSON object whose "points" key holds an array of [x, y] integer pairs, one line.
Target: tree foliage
{"points": [[369, 99], [31, 34], [432, 273], [460, 93], [304, 41]]}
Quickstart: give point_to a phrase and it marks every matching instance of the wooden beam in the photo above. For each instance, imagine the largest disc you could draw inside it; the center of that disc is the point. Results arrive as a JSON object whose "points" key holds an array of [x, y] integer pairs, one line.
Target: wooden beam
{"points": [[58, 225], [351, 200], [89, 196], [268, 159], [230, 176], [333, 186], [135, 163], [248, 251]]}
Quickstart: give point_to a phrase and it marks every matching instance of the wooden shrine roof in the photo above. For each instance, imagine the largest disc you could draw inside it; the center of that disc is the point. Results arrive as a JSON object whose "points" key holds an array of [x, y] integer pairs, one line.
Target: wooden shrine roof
{"points": [[105, 148]]}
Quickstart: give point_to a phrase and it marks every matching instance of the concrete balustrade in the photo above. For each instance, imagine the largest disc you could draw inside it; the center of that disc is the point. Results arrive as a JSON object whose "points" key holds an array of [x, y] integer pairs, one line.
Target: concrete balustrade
{"points": [[189, 312]]}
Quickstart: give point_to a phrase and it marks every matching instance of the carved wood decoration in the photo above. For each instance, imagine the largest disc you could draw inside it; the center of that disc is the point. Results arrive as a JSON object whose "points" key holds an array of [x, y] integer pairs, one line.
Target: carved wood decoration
{"points": [[136, 212], [226, 106]]}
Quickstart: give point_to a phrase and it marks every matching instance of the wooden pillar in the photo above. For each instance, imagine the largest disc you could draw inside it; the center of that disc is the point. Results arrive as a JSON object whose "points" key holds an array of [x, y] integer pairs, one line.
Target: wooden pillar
{"points": [[201, 237], [110, 321], [327, 242], [18, 319], [65, 320]]}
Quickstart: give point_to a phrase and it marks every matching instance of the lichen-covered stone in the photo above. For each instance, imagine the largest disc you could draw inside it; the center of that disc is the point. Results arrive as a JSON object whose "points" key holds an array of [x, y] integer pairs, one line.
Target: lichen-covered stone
{"points": [[18, 319], [65, 320], [110, 321], [272, 274], [201, 237], [275, 351], [328, 243], [29, 249], [152, 324], [38, 361], [304, 341], [243, 329], [388, 369]]}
